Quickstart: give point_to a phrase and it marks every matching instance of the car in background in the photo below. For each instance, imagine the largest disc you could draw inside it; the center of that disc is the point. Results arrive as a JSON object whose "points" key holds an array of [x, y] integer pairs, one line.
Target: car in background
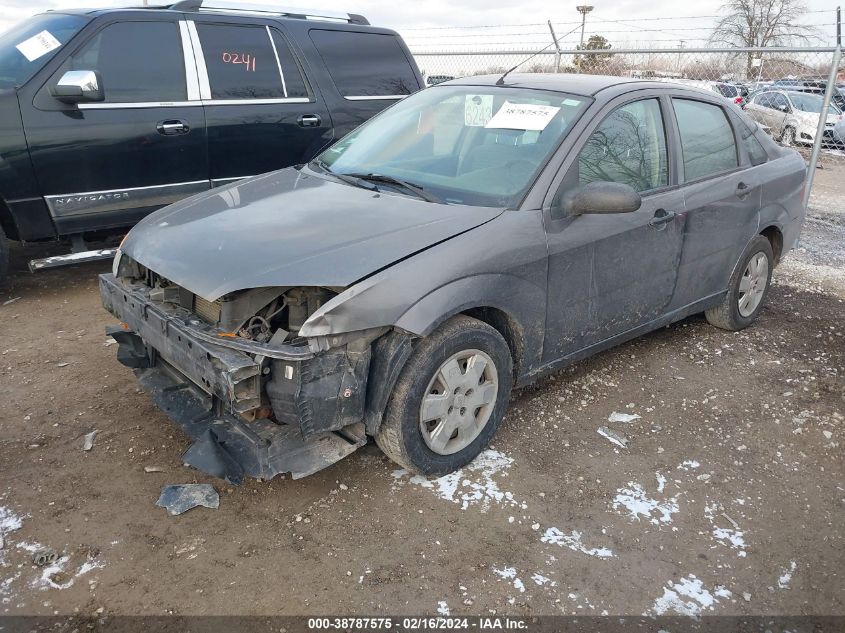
{"points": [[727, 91], [433, 80], [791, 116], [731, 92], [109, 114], [473, 237]]}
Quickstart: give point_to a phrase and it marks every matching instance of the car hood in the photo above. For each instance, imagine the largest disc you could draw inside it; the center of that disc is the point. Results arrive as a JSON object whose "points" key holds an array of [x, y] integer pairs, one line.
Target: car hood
{"points": [[290, 228]]}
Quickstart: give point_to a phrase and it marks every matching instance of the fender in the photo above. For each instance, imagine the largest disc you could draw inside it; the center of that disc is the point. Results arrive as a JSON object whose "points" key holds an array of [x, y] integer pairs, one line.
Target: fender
{"points": [[521, 303]]}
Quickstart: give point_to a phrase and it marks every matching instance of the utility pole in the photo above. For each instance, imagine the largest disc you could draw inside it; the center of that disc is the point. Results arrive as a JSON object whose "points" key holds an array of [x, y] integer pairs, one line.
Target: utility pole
{"points": [[583, 9], [839, 27], [681, 44], [557, 47]]}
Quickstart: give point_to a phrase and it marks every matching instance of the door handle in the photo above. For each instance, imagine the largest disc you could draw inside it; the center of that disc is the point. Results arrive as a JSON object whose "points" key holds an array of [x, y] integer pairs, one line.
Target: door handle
{"points": [[309, 120], [742, 190], [661, 218], [171, 127]]}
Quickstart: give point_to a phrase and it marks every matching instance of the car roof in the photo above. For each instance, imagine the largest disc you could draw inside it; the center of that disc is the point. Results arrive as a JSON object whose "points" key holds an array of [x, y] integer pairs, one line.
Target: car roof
{"points": [[583, 85], [212, 10], [586, 85]]}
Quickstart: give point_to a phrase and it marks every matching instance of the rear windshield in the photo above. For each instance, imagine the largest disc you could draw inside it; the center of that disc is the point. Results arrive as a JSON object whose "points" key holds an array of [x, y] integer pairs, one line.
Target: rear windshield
{"points": [[810, 103], [366, 64], [25, 48]]}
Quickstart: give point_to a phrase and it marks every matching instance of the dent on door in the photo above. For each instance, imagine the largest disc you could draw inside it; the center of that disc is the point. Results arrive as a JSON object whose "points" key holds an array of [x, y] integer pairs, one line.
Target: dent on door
{"points": [[612, 273]]}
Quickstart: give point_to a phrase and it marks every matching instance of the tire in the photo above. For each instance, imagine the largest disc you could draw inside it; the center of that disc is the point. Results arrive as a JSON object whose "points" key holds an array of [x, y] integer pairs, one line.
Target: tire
{"points": [[736, 311], [477, 349], [4, 257], [788, 136]]}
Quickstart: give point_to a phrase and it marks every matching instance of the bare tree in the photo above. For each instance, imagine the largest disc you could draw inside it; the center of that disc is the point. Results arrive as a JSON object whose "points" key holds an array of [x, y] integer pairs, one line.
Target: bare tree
{"points": [[760, 23]]}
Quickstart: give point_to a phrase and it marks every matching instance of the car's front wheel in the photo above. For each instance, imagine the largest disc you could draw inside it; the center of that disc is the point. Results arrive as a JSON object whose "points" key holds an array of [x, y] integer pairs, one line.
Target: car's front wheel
{"points": [[449, 399], [749, 287]]}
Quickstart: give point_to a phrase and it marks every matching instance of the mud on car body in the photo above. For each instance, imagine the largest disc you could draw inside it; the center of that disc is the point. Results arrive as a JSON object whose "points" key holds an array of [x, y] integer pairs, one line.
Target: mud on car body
{"points": [[468, 239]]}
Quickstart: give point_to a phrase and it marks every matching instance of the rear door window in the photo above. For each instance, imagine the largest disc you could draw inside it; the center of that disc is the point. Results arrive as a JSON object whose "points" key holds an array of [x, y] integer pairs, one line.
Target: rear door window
{"points": [[366, 64], [248, 63], [707, 139], [132, 69]]}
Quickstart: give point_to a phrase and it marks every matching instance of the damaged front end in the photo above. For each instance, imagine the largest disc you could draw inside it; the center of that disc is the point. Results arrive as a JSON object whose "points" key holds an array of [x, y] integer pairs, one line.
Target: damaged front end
{"points": [[234, 374]]}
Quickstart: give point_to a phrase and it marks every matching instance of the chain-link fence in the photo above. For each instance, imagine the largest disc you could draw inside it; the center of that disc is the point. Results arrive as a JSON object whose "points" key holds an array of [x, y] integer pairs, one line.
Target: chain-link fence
{"points": [[781, 88]]}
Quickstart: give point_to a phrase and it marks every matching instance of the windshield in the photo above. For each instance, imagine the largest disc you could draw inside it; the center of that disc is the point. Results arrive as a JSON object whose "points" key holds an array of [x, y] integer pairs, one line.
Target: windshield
{"points": [[811, 103], [28, 46], [474, 145], [727, 90]]}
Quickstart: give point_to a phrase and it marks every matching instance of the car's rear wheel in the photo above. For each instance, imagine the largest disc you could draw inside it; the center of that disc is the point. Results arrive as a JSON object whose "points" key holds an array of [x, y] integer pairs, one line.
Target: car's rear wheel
{"points": [[749, 287], [449, 399], [788, 136]]}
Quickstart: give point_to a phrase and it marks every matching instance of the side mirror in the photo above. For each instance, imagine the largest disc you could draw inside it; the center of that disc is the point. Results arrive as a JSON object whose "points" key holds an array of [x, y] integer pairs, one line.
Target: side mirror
{"points": [[601, 197], [79, 86], [783, 108]]}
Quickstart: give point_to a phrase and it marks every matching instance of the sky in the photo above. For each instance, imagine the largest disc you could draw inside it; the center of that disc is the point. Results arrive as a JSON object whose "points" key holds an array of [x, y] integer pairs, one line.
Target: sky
{"points": [[659, 23]]}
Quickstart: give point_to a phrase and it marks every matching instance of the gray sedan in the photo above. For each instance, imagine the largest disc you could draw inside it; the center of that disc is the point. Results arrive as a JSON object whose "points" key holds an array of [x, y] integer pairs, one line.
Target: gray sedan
{"points": [[473, 237]]}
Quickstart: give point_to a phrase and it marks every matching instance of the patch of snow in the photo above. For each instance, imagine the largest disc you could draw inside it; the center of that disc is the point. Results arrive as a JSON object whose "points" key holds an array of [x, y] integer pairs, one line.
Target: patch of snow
{"points": [[687, 597], [786, 576], [9, 521], [6, 588], [637, 503], [46, 580], [443, 608], [661, 482], [509, 573], [689, 464], [573, 541], [736, 538], [540, 580], [473, 485]]}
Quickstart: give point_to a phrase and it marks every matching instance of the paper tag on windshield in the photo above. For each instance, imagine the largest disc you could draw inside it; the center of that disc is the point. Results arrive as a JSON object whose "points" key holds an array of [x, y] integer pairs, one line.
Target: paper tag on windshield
{"points": [[38, 45], [523, 116], [478, 110]]}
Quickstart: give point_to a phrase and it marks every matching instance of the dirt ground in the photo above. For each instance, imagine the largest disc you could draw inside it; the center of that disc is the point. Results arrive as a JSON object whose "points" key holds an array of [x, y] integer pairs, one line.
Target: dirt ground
{"points": [[729, 500]]}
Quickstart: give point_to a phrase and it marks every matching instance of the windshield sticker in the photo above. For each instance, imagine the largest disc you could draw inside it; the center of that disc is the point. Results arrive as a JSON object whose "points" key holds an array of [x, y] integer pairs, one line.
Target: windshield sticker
{"points": [[478, 110], [38, 45], [523, 116], [571, 102]]}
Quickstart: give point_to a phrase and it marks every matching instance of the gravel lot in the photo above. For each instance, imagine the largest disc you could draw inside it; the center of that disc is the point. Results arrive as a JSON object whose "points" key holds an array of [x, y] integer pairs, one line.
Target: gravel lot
{"points": [[729, 499]]}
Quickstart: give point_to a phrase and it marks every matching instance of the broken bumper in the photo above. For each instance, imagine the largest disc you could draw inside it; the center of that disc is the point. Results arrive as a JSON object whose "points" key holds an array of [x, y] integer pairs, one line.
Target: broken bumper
{"points": [[204, 383], [227, 447]]}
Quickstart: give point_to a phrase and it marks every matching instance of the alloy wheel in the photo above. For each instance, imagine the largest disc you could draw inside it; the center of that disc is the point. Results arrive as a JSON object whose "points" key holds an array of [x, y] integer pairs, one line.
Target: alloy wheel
{"points": [[752, 284]]}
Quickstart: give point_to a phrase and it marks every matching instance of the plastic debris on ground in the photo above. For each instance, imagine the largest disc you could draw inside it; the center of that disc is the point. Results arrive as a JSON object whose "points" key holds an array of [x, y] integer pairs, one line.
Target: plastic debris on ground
{"points": [[180, 498], [613, 436], [88, 440], [626, 418]]}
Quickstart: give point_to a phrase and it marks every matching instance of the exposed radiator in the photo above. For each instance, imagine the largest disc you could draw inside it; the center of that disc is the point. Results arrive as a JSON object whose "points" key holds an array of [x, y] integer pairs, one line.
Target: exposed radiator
{"points": [[208, 311]]}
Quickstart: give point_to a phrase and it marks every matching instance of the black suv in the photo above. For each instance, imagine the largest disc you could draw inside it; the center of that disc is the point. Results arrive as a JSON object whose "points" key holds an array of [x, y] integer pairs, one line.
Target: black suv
{"points": [[107, 115]]}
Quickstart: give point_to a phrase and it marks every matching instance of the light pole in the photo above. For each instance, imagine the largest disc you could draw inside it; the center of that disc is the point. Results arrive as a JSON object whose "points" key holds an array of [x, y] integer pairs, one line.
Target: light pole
{"points": [[583, 9]]}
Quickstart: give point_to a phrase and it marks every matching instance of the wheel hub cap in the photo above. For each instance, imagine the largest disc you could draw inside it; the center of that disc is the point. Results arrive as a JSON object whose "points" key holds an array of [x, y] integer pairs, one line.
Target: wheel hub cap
{"points": [[458, 401], [752, 285]]}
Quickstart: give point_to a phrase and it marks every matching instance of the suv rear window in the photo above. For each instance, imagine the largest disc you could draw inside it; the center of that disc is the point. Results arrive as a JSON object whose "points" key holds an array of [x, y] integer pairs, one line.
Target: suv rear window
{"points": [[366, 64], [243, 62]]}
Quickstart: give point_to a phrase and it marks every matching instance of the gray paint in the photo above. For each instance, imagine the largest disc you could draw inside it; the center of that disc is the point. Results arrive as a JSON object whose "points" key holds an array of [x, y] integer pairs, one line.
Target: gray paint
{"points": [[571, 285]]}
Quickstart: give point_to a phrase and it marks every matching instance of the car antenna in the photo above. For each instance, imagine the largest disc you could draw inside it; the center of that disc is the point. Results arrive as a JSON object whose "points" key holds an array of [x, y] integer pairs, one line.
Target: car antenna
{"points": [[501, 80]]}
